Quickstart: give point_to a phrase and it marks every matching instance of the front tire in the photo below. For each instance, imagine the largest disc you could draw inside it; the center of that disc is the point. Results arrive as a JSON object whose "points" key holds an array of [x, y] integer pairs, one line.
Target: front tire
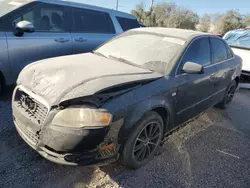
{"points": [[1, 85], [143, 141], [229, 95]]}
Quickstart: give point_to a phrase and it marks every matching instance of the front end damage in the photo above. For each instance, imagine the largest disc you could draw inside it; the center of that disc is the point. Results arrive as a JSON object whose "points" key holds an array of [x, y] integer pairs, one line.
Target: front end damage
{"points": [[33, 119], [52, 91], [62, 145]]}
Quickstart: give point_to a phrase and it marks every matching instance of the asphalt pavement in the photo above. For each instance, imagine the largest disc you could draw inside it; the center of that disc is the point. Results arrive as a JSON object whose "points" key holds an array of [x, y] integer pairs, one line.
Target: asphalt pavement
{"points": [[212, 151]]}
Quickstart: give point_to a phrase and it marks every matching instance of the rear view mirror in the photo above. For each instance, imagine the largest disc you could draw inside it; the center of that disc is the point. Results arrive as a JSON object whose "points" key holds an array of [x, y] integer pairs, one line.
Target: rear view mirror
{"points": [[24, 26], [192, 68]]}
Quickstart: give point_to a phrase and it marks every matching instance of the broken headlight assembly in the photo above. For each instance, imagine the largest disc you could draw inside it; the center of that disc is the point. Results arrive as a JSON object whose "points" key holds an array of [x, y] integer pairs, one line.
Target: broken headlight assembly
{"points": [[82, 117]]}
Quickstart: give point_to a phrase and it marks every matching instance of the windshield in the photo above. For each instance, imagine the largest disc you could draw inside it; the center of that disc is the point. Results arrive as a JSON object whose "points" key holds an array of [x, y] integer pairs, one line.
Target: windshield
{"points": [[238, 38], [142, 50], [7, 6]]}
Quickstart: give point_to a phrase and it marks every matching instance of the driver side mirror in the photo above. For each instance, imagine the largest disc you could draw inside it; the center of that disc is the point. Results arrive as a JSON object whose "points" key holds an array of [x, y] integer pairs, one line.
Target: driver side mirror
{"points": [[24, 27], [193, 68]]}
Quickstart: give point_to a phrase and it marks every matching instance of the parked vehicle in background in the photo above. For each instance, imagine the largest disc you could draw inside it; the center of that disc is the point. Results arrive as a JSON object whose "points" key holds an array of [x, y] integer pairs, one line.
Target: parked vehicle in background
{"points": [[219, 35], [239, 41], [35, 30], [124, 98]]}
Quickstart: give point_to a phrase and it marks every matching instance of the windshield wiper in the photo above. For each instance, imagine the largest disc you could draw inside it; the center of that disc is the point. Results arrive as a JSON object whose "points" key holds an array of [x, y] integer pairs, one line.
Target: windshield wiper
{"points": [[125, 61], [99, 53]]}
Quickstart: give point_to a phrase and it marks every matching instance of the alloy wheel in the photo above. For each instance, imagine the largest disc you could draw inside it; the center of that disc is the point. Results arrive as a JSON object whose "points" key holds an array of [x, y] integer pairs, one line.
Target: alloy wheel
{"points": [[147, 141]]}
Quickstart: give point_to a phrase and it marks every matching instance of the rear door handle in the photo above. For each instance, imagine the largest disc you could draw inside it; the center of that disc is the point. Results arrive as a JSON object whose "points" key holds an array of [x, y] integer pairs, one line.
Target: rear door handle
{"points": [[62, 40], [80, 40]]}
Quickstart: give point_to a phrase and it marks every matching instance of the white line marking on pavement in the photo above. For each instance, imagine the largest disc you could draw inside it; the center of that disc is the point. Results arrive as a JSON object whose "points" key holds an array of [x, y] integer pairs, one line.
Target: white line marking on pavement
{"points": [[228, 154]]}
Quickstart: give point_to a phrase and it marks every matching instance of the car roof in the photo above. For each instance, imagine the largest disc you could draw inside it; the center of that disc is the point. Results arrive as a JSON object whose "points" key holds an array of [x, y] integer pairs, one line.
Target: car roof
{"points": [[83, 5], [183, 34]]}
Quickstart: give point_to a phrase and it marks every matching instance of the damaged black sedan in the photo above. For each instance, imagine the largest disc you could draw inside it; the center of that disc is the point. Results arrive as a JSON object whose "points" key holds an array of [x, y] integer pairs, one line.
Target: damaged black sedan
{"points": [[119, 102]]}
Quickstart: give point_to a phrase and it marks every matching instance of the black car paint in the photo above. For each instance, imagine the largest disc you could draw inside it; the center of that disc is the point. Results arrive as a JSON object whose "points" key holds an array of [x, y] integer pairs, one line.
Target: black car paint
{"points": [[176, 97]]}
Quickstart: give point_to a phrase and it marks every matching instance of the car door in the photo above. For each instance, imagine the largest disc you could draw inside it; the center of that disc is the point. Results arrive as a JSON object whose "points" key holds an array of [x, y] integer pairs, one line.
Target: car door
{"points": [[224, 63], [195, 91], [91, 28], [50, 39]]}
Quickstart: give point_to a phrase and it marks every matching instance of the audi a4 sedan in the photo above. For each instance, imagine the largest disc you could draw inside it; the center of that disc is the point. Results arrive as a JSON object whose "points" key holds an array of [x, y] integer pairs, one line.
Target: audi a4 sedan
{"points": [[120, 101]]}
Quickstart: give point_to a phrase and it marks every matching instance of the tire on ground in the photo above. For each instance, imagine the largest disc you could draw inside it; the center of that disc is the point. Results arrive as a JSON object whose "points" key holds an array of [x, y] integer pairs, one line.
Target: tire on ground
{"points": [[224, 104], [128, 158]]}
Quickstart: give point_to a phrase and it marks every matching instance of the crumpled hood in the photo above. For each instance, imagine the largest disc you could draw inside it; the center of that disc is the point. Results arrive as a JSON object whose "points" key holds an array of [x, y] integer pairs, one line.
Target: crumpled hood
{"points": [[245, 56], [67, 77]]}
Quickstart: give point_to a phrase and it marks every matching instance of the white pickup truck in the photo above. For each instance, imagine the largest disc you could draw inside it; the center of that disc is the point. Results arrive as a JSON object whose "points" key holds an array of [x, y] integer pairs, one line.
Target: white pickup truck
{"points": [[239, 41]]}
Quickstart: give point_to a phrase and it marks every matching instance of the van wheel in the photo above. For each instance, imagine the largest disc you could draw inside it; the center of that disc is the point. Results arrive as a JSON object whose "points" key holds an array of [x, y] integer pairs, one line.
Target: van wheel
{"points": [[143, 141], [229, 95]]}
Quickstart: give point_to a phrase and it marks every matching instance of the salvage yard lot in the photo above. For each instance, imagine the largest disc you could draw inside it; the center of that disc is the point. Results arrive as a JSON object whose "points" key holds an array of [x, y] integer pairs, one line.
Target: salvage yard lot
{"points": [[212, 151]]}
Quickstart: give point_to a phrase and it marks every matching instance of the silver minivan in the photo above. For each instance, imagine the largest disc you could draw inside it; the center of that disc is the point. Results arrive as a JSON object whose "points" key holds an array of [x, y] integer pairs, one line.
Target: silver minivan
{"points": [[32, 30]]}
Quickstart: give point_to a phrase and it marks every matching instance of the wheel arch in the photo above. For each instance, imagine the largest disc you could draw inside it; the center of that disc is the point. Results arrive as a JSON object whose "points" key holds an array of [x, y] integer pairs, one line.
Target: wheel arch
{"points": [[135, 113], [165, 115]]}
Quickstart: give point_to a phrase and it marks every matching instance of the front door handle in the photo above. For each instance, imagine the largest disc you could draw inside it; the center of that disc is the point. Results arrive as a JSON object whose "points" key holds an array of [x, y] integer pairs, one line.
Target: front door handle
{"points": [[80, 40], [232, 69], [212, 77], [62, 40]]}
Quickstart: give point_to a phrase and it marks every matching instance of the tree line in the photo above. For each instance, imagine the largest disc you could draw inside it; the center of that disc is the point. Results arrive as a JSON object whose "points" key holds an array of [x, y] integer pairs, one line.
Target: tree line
{"points": [[174, 16]]}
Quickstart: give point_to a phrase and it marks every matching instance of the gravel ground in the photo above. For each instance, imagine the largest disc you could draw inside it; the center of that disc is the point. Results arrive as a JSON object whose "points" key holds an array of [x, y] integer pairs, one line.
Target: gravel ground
{"points": [[212, 151]]}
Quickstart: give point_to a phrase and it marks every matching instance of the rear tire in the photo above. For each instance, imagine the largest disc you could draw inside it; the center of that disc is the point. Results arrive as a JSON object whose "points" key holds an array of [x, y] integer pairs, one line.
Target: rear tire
{"points": [[143, 141], [229, 95]]}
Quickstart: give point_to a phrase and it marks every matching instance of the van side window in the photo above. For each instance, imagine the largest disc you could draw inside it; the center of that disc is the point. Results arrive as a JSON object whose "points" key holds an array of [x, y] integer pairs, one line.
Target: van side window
{"points": [[45, 18], [91, 21], [220, 52], [127, 23]]}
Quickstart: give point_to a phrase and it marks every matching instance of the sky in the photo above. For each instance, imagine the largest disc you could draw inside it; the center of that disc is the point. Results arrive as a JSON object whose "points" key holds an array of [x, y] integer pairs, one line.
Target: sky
{"points": [[199, 6]]}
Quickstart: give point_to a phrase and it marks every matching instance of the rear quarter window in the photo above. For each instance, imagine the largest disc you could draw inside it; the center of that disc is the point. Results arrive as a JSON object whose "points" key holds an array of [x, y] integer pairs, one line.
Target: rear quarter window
{"points": [[127, 23], [229, 52]]}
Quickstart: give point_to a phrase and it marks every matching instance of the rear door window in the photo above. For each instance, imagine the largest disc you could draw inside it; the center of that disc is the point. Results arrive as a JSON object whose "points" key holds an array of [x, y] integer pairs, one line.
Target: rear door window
{"points": [[91, 21], [220, 51], [127, 23]]}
